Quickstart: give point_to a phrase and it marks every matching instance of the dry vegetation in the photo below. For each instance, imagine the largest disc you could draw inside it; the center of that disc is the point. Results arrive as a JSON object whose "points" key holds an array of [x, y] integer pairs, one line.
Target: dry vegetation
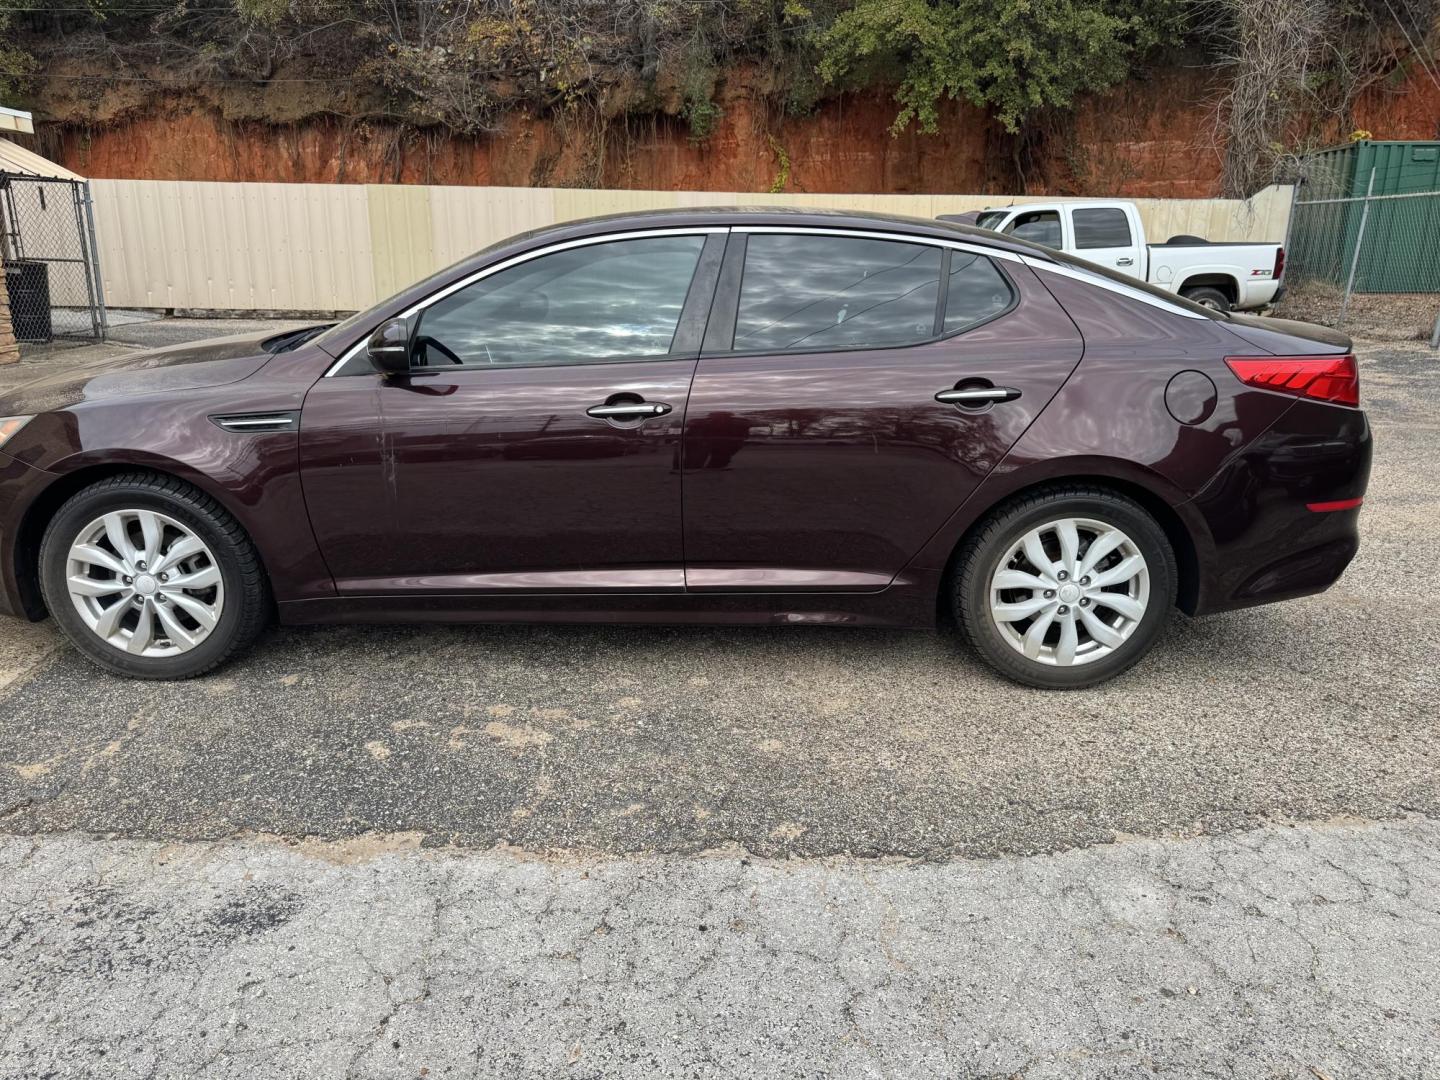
{"points": [[1381, 316], [1294, 67]]}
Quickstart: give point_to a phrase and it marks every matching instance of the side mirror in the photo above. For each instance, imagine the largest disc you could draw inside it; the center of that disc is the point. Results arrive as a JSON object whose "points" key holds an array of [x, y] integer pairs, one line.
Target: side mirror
{"points": [[389, 347]]}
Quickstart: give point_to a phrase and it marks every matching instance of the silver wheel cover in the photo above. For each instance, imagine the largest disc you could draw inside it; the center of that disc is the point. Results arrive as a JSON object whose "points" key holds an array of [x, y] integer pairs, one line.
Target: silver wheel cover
{"points": [[1069, 592], [144, 583]]}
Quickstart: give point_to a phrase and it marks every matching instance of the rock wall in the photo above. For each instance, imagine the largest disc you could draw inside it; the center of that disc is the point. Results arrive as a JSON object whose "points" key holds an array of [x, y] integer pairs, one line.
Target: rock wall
{"points": [[1151, 137]]}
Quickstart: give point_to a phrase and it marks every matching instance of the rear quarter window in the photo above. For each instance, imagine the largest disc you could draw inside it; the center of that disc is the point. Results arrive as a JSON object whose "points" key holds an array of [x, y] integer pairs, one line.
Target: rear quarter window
{"points": [[977, 292]]}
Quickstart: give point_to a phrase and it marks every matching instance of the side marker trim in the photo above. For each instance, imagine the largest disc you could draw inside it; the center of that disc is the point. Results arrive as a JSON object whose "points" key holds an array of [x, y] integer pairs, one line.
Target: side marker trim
{"points": [[1329, 507]]}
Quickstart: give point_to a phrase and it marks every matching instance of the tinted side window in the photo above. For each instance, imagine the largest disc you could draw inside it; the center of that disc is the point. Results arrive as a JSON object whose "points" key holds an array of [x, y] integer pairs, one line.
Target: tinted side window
{"points": [[1038, 226], [977, 291], [835, 292], [620, 300], [1101, 228]]}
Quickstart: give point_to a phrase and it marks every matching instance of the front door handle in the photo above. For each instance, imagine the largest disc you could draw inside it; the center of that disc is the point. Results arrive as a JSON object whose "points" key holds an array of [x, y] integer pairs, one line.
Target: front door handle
{"points": [[976, 396], [628, 410]]}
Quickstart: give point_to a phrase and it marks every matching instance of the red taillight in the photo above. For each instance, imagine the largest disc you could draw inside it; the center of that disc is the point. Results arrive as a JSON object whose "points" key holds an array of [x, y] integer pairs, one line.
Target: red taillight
{"points": [[1331, 507], [1279, 263], [1325, 378]]}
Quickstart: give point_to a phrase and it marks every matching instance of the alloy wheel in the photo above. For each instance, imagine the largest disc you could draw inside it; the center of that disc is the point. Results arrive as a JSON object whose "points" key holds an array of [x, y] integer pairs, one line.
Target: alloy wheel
{"points": [[1070, 592], [144, 583]]}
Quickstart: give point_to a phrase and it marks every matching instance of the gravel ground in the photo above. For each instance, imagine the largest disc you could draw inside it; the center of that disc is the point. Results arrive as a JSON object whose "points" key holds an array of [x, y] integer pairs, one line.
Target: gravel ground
{"points": [[462, 812], [1385, 316]]}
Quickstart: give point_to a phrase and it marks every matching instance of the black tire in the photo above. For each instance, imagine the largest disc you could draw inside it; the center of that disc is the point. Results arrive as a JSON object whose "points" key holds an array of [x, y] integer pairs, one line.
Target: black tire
{"points": [[1186, 240], [983, 549], [1207, 295], [246, 607]]}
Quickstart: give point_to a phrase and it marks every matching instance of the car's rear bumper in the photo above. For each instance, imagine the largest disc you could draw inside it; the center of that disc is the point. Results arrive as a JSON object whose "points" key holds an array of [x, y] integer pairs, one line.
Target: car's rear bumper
{"points": [[1281, 513], [1298, 573]]}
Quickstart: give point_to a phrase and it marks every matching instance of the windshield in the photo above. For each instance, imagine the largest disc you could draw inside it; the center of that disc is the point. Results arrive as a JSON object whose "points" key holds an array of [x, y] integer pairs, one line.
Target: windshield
{"points": [[990, 218], [1043, 254], [340, 332]]}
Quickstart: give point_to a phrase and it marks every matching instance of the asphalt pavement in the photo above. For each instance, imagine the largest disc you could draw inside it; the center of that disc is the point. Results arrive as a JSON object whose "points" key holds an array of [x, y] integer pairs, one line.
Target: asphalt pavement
{"points": [[1271, 953], [598, 851]]}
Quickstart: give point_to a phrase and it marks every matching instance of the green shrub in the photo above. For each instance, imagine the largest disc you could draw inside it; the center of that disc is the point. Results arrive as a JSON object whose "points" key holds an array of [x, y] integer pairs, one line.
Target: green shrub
{"points": [[1011, 56]]}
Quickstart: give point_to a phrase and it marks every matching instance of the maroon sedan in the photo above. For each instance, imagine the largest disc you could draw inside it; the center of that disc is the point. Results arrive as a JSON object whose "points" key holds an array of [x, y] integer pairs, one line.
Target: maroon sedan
{"points": [[733, 416]]}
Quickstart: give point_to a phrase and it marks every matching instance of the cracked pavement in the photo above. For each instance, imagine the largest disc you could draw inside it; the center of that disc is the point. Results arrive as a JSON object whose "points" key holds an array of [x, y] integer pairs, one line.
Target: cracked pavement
{"points": [[1275, 953], [614, 851]]}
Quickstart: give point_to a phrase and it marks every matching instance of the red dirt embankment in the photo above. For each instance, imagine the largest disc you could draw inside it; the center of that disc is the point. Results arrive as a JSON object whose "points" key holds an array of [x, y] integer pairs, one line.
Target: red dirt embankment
{"points": [[1149, 137]]}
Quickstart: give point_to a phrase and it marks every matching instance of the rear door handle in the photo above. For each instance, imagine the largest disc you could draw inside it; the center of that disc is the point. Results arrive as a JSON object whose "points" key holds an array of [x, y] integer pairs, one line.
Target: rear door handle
{"points": [[1127, 261], [980, 395], [633, 410]]}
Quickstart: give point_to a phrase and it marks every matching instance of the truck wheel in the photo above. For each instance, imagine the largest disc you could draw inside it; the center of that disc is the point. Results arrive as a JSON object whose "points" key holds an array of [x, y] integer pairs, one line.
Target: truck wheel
{"points": [[1207, 296]]}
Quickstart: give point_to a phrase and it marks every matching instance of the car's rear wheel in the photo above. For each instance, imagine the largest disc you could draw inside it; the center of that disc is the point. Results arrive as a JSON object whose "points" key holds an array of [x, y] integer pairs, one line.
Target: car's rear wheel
{"points": [[1065, 588], [1208, 297], [151, 578]]}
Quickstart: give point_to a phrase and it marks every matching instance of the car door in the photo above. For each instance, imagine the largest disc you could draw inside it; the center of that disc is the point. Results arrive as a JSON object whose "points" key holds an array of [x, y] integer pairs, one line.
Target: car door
{"points": [[1104, 235], [816, 453], [534, 444]]}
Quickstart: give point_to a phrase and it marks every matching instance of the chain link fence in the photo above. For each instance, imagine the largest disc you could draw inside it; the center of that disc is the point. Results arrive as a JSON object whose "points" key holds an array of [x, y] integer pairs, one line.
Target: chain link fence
{"points": [[1369, 261], [48, 248]]}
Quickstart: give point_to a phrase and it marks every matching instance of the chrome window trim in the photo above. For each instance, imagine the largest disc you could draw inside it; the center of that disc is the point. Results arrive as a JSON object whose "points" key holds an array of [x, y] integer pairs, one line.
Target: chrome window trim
{"points": [[819, 230], [584, 241], [876, 234], [1109, 286]]}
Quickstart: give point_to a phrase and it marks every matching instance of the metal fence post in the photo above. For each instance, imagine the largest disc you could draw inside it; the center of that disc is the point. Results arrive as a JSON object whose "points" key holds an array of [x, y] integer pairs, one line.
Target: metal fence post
{"points": [[1359, 243], [89, 210], [77, 203], [1435, 333], [1290, 213]]}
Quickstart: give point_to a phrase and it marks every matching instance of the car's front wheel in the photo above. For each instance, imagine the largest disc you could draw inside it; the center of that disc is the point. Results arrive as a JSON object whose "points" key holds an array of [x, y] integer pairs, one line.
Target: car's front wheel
{"points": [[151, 578], [1065, 588]]}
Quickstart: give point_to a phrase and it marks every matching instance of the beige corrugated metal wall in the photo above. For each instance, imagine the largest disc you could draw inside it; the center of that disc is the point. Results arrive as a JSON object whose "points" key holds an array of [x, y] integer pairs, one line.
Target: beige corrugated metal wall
{"points": [[339, 247], [251, 247]]}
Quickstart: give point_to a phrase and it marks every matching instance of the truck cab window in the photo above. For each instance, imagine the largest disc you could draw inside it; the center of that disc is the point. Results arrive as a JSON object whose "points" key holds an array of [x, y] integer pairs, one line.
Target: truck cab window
{"points": [[1039, 227], [1101, 227]]}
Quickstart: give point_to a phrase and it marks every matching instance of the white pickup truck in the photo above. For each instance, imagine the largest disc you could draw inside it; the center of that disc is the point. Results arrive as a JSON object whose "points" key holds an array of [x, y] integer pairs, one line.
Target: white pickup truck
{"points": [[1110, 234]]}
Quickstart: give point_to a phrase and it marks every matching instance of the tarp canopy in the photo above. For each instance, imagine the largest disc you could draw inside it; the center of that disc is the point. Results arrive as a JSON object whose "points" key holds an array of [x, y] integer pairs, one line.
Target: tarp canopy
{"points": [[14, 158]]}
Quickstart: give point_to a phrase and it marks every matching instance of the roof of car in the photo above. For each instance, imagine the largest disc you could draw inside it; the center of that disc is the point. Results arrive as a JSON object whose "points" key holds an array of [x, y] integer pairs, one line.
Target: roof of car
{"points": [[713, 217], [1038, 204], [814, 217]]}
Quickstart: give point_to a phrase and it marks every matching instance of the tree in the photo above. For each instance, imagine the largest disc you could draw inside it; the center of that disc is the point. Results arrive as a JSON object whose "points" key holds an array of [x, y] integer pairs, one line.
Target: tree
{"points": [[1012, 56], [1294, 70]]}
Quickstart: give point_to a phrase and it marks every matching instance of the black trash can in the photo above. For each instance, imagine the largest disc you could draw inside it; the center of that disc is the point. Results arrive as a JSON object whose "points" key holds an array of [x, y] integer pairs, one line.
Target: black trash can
{"points": [[27, 281]]}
